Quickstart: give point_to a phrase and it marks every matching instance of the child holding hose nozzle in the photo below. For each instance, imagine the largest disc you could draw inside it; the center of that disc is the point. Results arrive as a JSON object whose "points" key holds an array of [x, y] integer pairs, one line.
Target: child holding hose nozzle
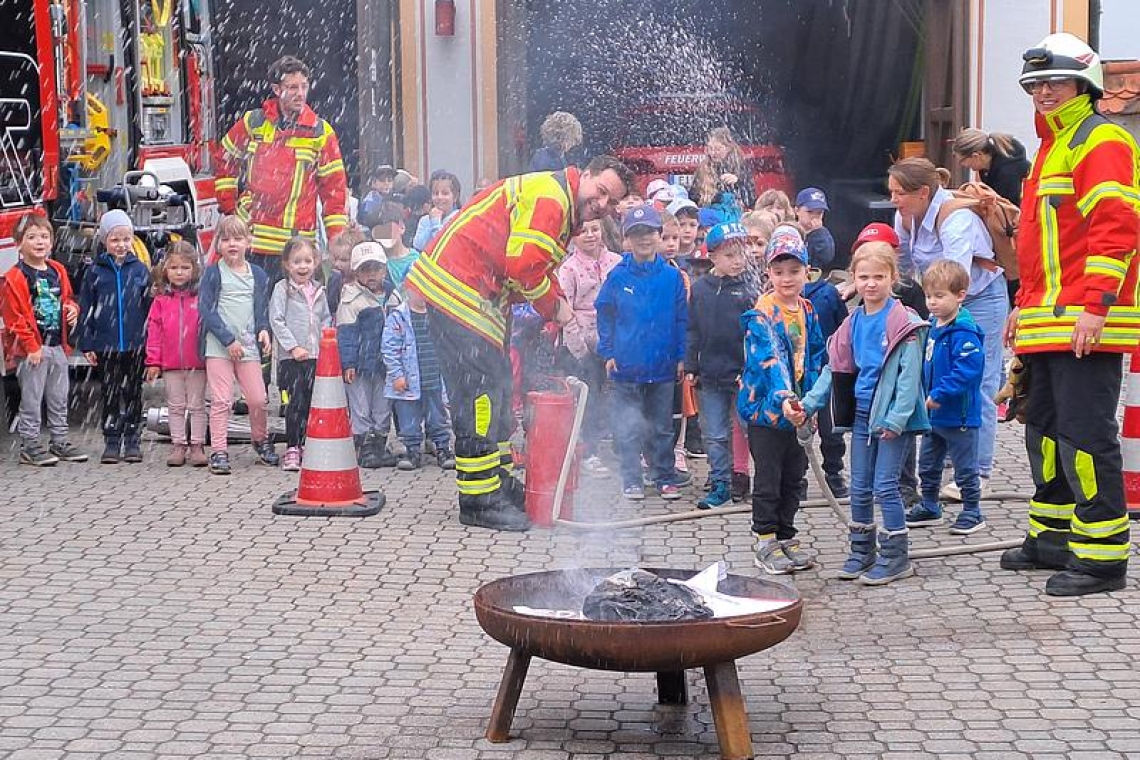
{"points": [[874, 381], [783, 357]]}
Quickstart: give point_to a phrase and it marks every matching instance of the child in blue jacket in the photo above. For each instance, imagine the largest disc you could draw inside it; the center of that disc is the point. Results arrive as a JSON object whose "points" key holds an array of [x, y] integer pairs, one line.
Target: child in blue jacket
{"points": [[113, 303], [783, 357], [415, 385], [642, 318], [831, 311], [874, 362], [955, 360]]}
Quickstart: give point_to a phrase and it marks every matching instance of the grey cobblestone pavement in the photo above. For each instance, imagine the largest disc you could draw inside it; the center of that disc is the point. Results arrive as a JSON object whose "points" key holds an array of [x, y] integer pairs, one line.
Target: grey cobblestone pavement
{"points": [[155, 613]]}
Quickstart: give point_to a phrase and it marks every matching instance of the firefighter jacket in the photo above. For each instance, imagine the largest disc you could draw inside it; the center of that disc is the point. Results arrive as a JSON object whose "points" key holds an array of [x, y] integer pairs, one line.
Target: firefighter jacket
{"points": [[270, 174], [503, 245], [1079, 227]]}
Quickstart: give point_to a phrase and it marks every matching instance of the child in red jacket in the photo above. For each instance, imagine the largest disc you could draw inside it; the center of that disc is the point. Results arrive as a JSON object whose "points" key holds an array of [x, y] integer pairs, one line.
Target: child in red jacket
{"points": [[172, 352], [39, 310]]}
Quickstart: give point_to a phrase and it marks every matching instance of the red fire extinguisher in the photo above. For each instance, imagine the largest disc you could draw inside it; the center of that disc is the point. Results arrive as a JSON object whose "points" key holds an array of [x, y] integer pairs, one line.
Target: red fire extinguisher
{"points": [[551, 421], [445, 18]]}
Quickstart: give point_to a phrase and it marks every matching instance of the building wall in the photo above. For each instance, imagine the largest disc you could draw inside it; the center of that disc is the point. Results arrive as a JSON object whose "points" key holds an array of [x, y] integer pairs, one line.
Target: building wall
{"points": [[1002, 31], [449, 118]]}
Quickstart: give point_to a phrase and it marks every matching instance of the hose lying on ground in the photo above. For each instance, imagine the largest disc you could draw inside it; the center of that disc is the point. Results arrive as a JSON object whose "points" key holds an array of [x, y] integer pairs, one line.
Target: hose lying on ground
{"points": [[805, 440]]}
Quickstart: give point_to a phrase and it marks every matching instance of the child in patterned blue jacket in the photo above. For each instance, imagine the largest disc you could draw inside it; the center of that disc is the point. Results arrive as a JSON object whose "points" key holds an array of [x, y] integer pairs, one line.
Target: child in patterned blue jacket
{"points": [[783, 357]]}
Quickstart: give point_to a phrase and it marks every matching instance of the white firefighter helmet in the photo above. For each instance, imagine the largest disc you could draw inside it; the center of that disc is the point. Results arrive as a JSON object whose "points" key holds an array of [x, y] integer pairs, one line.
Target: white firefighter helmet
{"points": [[1063, 56]]}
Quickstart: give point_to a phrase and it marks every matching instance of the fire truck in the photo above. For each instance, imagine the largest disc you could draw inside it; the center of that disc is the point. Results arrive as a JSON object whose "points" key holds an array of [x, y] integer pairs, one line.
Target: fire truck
{"points": [[107, 104]]}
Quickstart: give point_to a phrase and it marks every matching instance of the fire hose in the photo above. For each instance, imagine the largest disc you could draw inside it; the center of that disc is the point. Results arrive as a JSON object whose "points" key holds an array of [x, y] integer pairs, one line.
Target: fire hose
{"points": [[804, 435]]}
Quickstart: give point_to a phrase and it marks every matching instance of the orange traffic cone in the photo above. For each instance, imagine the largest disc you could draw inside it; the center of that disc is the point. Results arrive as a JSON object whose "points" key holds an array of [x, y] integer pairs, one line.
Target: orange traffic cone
{"points": [[330, 479], [1130, 438]]}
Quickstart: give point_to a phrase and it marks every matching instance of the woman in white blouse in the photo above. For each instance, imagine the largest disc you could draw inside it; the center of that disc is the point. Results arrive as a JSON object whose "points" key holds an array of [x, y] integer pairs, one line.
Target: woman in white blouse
{"points": [[961, 236]]}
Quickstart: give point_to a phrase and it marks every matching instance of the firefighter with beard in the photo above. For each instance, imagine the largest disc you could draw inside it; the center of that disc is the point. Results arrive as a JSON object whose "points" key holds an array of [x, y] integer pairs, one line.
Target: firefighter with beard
{"points": [[502, 247], [1077, 315]]}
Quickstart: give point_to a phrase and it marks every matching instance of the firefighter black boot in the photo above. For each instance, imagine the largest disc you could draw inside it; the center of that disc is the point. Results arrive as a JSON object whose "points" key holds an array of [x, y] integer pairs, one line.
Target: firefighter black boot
{"points": [[493, 511], [1047, 551], [1078, 583]]}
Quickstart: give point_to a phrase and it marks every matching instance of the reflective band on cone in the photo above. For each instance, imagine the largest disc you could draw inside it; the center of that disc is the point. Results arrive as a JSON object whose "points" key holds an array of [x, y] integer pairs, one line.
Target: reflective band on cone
{"points": [[330, 478], [1130, 438]]}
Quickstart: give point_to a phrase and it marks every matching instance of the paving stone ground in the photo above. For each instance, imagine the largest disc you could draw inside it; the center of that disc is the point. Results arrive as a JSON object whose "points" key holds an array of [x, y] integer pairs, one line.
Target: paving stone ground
{"points": [[156, 613]]}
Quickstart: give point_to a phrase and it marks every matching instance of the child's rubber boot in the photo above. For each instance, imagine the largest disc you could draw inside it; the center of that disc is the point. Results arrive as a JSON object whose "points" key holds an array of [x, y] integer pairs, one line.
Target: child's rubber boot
{"points": [[132, 449], [864, 551], [112, 449], [894, 560]]}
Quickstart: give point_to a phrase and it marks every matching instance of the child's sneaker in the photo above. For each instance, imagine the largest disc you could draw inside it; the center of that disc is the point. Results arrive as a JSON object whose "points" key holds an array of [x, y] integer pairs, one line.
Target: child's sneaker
{"points": [[66, 451], [111, 452], [679, 478], [669, 491], [633, 493], [445, 459], [921, 516], [717, 497], [679, 462], [291, 462], [770, 557], [967, 523], [593, 464], [951, 492], [800, 558], [132, 452], [37, 456], [409, 461], [741, 486], [265, 454], [220, 463]]}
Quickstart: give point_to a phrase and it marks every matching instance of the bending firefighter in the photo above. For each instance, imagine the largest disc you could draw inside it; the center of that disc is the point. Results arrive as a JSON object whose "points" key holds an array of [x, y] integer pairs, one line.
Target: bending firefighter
{"points": [[502, 247], [1078, 313]]}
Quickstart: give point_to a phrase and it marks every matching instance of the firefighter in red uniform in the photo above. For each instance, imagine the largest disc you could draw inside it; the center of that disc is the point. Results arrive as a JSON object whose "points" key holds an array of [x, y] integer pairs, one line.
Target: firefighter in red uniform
{"points": [[1078, 313], [274, 164], [502, 246]]}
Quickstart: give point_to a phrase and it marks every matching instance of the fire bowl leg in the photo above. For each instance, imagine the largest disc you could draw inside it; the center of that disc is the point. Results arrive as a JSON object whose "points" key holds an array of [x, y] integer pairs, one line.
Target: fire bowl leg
{"points": [[672, 689], [507, 699], [729, 714]]}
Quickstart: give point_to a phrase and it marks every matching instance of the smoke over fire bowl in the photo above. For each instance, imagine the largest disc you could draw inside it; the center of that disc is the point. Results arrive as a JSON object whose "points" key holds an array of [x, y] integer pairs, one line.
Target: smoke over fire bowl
{"points": [[667, 648]]}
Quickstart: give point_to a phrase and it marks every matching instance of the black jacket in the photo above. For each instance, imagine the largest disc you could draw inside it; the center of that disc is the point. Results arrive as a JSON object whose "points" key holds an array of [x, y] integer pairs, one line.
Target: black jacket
{"points": [[1007, 172], [714, 349]]}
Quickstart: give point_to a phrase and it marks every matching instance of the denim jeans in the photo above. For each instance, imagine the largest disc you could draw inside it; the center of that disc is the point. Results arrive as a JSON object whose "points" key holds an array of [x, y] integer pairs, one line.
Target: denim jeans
{"points": [[428, 410], [990, 308], [875, 467], [718, 408], [643, 417], [962, 446]]}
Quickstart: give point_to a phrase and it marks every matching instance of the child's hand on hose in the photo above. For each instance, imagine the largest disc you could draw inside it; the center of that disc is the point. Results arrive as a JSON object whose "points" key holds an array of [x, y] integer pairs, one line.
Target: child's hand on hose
{"points": [[794, 413]]}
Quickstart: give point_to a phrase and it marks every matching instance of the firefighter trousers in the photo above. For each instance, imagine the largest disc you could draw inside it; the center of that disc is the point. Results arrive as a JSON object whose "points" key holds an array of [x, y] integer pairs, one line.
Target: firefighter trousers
{"points": [[477, 375], [1077, 515]]}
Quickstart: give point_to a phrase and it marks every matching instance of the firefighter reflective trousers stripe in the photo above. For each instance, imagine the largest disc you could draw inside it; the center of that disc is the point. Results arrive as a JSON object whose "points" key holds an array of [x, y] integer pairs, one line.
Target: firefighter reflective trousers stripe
{"points": [[477, 375], [1074, 454]]}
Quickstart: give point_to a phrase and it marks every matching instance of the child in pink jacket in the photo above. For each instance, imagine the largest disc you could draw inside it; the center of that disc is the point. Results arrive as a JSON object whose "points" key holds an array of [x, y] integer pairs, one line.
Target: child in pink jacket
{"points": [[172, 352], [581, 277]]}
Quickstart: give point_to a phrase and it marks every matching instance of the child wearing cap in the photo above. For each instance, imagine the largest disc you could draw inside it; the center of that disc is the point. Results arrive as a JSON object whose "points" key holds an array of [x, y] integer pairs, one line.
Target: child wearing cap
{"points": [[642, 318], [113, 303], [811, 205], [360, 333], [714, 355], [783, 358]]}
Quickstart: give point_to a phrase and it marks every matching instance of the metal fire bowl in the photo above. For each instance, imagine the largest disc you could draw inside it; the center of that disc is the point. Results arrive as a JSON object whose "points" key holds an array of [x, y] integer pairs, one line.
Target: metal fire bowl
{"points": [[628, 647]]}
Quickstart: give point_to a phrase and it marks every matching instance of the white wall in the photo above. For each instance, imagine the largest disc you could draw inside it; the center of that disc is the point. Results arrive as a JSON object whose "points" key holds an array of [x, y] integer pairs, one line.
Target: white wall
{"points": [[1120, 29], [1006, 29], [447, 70]]}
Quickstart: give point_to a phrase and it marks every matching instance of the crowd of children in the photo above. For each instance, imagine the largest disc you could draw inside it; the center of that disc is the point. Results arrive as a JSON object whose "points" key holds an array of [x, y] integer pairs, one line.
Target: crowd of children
{"points": [[732, 309]]}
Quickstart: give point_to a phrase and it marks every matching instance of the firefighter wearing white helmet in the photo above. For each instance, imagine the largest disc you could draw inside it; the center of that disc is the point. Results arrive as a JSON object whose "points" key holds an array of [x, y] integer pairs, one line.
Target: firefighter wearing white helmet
{"points": [[1078, 313]]}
